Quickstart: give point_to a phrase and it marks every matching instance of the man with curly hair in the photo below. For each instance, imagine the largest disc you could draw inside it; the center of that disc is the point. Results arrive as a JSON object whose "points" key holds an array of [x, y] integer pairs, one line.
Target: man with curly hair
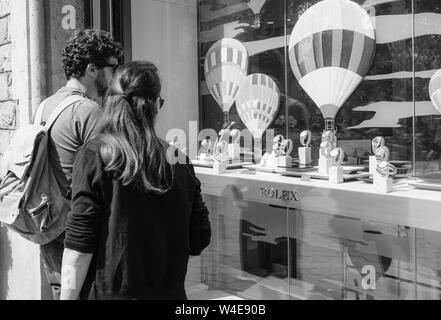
{"points": [[89, 58]]}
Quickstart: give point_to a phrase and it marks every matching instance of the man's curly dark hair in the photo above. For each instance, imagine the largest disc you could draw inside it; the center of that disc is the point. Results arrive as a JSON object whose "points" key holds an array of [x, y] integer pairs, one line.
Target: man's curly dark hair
{"points": [[85, 47]]}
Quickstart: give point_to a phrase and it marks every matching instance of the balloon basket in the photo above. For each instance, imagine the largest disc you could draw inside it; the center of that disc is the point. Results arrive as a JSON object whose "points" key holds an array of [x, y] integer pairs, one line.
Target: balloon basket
{"points": [[330, 125], [257, 21], [226, 120]]}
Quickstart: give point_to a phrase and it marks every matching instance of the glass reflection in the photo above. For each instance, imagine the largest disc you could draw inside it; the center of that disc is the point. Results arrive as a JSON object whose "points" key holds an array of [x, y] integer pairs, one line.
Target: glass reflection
{"points": [[256, 254]]}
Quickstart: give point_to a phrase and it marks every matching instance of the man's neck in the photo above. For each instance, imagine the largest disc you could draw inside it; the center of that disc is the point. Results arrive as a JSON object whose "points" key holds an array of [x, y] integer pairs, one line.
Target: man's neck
{"points": [[80, 86]]}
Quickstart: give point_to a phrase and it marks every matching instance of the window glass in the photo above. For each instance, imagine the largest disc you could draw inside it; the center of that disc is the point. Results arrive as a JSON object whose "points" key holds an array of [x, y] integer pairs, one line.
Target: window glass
{"points": [[427, 63]]}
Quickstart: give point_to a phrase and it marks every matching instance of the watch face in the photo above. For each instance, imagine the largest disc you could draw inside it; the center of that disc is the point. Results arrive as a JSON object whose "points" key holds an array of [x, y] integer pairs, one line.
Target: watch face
{"points": [[279, 139], [305, 138], [382, 154], [378, 142], [338, 156]]}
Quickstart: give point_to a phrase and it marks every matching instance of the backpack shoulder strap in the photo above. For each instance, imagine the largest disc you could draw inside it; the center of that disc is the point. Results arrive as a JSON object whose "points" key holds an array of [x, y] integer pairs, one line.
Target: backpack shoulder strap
{"points": [[39, 112], [63, 106]]}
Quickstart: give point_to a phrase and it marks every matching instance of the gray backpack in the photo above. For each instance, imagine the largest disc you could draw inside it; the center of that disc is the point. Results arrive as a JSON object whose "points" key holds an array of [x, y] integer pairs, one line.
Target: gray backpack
{"points": [[32, 202]]}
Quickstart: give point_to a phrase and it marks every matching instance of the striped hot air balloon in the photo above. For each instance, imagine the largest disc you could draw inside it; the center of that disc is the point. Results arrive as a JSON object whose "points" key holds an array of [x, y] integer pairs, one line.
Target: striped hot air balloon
{"points": [[435, 90], [330, 50], [257, 104], [226, 66]]}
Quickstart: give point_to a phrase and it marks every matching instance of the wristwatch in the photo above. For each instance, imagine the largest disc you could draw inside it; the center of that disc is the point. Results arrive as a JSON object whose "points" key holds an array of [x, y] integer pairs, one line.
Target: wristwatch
{"points": [[386, 169], [382, 154], [377, 142], [305, 138], [337, 155]]}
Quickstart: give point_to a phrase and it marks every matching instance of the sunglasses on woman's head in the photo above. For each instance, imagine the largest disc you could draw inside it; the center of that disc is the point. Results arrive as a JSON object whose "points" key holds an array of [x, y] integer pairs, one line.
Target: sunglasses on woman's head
{"points": [[161, 102]]}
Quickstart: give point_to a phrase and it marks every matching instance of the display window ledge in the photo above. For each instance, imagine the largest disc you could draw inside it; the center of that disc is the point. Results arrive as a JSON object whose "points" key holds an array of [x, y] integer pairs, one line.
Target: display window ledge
{"points": [[405, 206]]}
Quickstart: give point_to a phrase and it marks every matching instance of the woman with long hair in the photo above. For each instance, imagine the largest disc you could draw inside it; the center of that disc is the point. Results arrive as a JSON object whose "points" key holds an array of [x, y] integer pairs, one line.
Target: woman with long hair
{"points": [[135, 217]]}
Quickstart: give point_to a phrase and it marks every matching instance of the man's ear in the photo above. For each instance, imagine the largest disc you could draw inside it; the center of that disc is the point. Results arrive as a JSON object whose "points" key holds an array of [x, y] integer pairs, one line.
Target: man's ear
{"points": [[91, 71]]}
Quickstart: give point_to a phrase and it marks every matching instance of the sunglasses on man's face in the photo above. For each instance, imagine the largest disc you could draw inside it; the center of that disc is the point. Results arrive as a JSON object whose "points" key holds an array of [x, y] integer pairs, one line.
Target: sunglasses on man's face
{"points": [[109, 65]]}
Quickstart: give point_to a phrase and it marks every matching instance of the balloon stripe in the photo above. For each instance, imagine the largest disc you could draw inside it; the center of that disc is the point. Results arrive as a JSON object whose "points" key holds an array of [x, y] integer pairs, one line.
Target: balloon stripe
{"points": [[235, 55], [300, 57], [368, 56], [218, 58], [337, 42], [213, 60], [215, 94], [357, 52], [219, 92], [293, 62], [235, 91], [327, 48], [271, 84], [224, 88], [348, 86], [230, 89], [226, 65], [239, 59], [206, 67], [263, 81], [255, 80], [224, 54], [347, 44], [318, 53], [230, 55], [309, 55]]}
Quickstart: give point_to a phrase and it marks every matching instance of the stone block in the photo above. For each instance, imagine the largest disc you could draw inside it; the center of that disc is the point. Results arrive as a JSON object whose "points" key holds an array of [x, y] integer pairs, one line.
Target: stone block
{"points": [[4, 33], [5, 58], [5, 138], [8, 115], [4, 7], [5, 86]]}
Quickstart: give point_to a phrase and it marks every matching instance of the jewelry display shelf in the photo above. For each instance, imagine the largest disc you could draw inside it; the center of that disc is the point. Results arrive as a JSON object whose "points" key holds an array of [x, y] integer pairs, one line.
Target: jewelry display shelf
{"points": [[405, 205]]}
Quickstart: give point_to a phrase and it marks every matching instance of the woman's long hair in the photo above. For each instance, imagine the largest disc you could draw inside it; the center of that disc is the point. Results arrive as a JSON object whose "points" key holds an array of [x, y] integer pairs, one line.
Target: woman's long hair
{"points": [[130, 148]]}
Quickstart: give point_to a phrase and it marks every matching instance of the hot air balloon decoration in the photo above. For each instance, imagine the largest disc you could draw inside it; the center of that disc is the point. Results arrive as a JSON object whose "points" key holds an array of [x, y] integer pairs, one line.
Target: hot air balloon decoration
{"points": [[331, 49], [257, 104], [226, 66], [256, 7], [435, 90]]}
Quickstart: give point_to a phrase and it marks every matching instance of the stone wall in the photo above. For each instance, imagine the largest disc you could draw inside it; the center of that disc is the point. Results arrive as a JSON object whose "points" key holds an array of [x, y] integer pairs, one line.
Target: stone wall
{"points": [[21, 276], [8, 105], [7, 124], [32, 34]]}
